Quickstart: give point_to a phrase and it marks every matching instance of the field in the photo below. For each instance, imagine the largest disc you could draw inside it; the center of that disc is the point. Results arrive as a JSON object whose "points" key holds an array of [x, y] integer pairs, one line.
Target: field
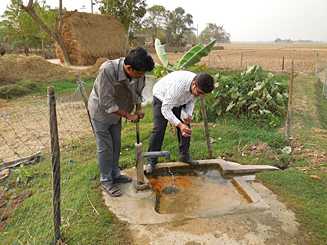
{"points": [[238, 56], [25, 196]]}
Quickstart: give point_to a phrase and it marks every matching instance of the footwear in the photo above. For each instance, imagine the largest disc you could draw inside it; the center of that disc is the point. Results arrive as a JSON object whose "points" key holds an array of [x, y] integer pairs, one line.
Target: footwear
{"points": [[150, 168], [112, 189], [122, 179], [188, 159]]}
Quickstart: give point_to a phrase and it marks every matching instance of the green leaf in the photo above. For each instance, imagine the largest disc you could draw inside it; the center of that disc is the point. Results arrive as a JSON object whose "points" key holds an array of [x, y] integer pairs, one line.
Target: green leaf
{"points": [[161, 52], [194, 55], [230, 106]]}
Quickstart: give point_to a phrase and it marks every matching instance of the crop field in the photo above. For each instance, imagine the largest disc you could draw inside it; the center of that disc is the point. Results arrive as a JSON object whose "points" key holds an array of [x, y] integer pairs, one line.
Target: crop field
{"points": [[238, 56]]}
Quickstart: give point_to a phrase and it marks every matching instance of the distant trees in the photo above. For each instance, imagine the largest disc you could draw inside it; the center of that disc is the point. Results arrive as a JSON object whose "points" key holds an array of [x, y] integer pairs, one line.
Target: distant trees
{"points": [[129, 12], [19, 29], [155, 22], [213, 31]]}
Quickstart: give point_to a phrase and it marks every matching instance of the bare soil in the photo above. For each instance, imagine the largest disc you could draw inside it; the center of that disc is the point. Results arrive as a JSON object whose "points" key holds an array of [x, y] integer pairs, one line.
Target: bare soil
{"points": [[238, 56]]}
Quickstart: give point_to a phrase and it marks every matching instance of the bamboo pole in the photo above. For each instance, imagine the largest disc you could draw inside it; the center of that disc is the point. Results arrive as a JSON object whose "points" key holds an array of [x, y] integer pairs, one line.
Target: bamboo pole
{"points": [[206, 127], [85, 99], [288, 131], [55, 155]]}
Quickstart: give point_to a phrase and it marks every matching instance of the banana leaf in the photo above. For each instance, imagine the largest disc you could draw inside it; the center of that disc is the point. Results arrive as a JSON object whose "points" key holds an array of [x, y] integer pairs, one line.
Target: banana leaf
{"points": [[161, 52], [194, 55]]}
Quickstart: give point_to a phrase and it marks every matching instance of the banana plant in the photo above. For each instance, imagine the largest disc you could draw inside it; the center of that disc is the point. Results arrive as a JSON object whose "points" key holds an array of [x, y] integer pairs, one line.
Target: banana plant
{"points": [[191, 57]]}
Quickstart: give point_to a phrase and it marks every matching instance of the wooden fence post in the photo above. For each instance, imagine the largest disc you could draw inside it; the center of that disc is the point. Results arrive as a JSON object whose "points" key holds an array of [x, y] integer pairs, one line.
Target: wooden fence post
{"points": [[283, 63], [206, 128], [316, 65], [290, 104], [55, 158]]}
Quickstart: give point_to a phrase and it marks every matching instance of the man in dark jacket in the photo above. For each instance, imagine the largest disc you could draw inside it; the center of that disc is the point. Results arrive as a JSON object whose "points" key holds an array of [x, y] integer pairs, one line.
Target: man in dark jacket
{"points": [[116, 91]]}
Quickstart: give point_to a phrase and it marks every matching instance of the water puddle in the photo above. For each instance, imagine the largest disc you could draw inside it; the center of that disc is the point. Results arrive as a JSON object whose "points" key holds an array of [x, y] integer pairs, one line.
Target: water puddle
{"points": [[195, 192]]}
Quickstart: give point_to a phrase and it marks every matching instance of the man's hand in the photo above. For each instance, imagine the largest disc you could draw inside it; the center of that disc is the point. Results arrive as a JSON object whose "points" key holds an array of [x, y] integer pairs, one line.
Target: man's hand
{"points": [[187, 120], [185, 130], [132, 117], [140, 114]]}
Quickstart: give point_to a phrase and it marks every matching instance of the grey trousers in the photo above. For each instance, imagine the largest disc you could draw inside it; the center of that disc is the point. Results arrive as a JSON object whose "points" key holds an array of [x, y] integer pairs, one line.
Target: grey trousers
{"points": [[108, 138]]}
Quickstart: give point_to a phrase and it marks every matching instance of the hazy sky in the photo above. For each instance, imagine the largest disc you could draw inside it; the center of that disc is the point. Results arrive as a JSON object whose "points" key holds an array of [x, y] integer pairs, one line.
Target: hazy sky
{"points": [[251, 20]]}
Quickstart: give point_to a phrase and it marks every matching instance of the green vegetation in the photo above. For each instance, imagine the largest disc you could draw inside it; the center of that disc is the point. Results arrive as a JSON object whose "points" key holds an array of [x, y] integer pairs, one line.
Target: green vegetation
{"points": [[20, 31], [254, 94], [237, 139], [27, 87]]}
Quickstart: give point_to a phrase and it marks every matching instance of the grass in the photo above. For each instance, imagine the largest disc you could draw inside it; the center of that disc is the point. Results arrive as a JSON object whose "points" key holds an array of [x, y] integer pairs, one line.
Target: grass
{"points": [[31, 222], [26, 87]]}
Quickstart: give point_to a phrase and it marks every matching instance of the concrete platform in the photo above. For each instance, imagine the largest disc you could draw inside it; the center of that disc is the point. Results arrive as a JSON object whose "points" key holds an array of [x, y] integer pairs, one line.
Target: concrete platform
{"points": [[256, 217], [237, 195]]}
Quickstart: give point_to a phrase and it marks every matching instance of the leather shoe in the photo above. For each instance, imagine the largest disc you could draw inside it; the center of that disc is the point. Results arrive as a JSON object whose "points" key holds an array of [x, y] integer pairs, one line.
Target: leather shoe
{"points": [[188, 159]]}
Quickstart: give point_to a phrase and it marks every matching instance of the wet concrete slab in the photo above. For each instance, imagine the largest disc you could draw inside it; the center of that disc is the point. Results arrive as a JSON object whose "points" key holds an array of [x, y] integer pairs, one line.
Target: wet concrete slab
{"points": [[198, 192], [205, 205]]}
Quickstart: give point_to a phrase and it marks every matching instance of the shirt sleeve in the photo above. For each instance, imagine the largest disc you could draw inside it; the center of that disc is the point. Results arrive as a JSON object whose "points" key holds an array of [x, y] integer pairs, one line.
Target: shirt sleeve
{"points": [[106, 92]]}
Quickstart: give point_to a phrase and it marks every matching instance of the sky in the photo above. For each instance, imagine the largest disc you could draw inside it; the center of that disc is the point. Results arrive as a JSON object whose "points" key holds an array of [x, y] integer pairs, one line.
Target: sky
{"points": [[251, 20]]}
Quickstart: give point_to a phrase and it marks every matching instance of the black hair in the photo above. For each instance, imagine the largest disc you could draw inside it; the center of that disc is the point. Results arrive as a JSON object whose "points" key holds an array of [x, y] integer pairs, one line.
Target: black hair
{"points": [[205, 82], [139, 60]]}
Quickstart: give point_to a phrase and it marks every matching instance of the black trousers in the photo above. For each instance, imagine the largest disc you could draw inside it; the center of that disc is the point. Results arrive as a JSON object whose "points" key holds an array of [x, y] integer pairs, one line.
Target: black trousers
{"points": [[159, 129]]}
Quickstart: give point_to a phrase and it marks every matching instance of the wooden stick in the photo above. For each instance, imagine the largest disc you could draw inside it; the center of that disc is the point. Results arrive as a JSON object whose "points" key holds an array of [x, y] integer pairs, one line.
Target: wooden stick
{"points": [[206, 127], [85, 99], [55, 155], [96, 211], [289, 107], [25, 160]]}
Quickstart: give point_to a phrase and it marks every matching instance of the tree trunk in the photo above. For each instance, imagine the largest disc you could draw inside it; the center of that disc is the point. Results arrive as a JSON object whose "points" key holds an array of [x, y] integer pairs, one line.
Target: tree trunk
{"points": [[55, 35]]}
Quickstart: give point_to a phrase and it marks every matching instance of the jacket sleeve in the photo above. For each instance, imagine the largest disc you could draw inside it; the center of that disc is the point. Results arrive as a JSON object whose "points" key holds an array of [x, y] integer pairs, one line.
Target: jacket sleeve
{"points": [[106, 92]]}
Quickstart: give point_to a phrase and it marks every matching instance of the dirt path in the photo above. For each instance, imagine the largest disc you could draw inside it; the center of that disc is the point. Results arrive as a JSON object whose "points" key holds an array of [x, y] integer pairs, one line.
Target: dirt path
{"points": [[307, 124]]}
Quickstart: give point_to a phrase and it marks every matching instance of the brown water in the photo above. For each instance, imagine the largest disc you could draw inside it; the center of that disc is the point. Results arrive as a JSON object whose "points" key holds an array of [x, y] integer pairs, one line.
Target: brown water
{"points": [[199, 192]]}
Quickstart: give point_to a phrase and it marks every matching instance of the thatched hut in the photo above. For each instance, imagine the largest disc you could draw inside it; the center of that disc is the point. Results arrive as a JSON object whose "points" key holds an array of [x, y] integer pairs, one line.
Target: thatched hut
{"points": [[90, 36]]}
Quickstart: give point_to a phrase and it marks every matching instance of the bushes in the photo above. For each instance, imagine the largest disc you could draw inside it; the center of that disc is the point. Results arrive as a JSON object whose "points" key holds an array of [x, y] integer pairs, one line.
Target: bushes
{"points": [[16, 90], [254, 94]]}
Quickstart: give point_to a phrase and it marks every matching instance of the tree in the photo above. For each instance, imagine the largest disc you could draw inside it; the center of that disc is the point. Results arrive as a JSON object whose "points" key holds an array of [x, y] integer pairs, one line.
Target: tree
{"points": [[18, 28], [128, 12], [54, 33], [212, 31], [178, 24], [155, 21]]}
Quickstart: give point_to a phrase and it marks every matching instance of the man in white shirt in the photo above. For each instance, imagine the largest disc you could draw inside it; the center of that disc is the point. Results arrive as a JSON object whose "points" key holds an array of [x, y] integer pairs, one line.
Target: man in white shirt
{"points": [[173, 101]]}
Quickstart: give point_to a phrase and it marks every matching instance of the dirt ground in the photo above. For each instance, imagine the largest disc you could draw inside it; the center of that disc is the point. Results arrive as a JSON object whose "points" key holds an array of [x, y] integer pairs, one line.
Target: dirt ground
{"points": [[14, 68], [24, 125], [239, 55]]}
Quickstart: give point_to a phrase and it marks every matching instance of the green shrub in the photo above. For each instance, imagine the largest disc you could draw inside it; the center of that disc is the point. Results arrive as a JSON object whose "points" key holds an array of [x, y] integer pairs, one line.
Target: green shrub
{"points": [[12, 91], [254, 93]]}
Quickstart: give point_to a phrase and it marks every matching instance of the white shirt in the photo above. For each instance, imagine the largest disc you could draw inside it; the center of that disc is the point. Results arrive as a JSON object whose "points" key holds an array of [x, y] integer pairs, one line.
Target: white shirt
{"points": [[174, 90]]}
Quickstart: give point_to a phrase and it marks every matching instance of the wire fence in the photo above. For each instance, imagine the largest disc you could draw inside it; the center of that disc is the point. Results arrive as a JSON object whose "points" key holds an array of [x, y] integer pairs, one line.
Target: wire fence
{"points": [[24, 125]]}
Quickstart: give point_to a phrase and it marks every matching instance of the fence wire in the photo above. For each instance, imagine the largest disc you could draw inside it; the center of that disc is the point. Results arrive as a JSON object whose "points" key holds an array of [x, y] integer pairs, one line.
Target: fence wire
{"points": [[25, 127]]}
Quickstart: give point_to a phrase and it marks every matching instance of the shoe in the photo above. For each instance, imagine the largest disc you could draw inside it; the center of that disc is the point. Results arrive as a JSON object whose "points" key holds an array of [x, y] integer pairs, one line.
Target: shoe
{"points": [[150, 168], [188, 159], [112, 189], [122, 179]]}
